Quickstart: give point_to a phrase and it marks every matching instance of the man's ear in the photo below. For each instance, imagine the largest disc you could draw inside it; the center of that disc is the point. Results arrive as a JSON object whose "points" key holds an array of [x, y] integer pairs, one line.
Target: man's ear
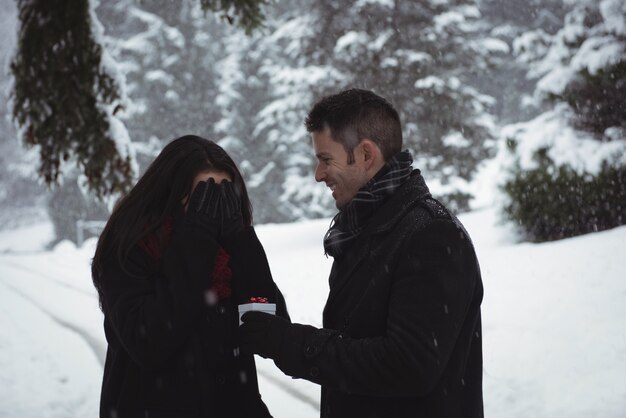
{"points": [[372, 155]]}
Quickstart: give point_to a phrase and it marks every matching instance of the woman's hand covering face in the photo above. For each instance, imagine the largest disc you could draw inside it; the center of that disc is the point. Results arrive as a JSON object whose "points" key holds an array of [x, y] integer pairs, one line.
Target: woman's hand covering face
{"points": [[216, 208], [230, 208]]}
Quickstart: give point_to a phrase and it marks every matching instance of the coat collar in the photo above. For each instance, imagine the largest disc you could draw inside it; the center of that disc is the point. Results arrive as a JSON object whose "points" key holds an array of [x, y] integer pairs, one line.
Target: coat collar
{"points": [[413, 190], [383, 220], [407, 195]]}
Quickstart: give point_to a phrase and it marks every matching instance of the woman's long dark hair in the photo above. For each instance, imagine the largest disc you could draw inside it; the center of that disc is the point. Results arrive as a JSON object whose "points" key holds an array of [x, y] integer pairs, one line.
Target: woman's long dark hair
{"points": [[158, 195]]}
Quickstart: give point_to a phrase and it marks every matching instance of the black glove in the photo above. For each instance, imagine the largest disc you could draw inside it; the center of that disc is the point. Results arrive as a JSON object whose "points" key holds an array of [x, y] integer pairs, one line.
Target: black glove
{"points": [[263, 334], [203, 211], [230, 208]]}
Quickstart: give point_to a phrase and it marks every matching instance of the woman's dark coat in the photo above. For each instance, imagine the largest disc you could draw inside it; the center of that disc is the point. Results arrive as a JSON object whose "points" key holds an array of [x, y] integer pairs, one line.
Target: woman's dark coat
{"points": [[171, 347], [402, 328]]}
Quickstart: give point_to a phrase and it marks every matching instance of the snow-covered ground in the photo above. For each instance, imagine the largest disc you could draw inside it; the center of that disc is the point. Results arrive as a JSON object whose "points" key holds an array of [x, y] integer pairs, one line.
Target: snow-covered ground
{"points": [[554, 318]]}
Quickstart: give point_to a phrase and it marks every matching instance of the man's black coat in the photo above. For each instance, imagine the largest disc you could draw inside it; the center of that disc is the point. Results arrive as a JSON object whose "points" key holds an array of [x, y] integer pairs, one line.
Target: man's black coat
{"points": [[402, 327]]}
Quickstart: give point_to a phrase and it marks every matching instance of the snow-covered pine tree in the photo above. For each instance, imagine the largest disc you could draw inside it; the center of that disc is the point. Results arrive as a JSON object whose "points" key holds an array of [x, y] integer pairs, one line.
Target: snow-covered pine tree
{"points": [[242, 93], [297, 80], [506, 81], [64, 97], [568, 166], [21, 195], [586, 67], [267, 86], [417, 54], [168, 53], [420, 56], [246, 13]]}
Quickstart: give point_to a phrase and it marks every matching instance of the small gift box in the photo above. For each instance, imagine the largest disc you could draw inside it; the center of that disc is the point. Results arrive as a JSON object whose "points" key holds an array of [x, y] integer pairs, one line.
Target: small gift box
{"points": [[256, 304]]}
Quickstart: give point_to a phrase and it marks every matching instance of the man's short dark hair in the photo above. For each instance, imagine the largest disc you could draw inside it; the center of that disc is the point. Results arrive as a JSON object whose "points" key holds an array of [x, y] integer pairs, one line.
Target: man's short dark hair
{"points": [[354, 115]]}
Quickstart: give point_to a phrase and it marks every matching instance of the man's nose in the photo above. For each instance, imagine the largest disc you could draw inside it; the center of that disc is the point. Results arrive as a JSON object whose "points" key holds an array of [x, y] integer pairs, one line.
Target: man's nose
{"points": [[320, 173]]}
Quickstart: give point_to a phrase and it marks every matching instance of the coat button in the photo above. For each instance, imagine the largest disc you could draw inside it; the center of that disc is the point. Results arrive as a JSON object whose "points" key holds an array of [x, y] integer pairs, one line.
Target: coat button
{"points": [[310, 350], [221, 380], [221, 310], [314, 372]]}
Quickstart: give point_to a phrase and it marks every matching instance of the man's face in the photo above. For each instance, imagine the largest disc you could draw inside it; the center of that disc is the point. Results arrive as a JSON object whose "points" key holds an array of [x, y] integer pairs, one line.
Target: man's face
{"points": [[342, 178]]}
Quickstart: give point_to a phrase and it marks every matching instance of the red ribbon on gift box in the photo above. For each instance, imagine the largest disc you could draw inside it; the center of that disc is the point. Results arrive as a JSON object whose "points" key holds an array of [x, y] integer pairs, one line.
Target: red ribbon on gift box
{"points": [[257, 300]]}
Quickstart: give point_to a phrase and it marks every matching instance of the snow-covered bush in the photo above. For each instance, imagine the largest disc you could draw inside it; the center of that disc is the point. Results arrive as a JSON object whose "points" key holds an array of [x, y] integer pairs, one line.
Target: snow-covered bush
{"points": [[562, 181], [554, 202]]}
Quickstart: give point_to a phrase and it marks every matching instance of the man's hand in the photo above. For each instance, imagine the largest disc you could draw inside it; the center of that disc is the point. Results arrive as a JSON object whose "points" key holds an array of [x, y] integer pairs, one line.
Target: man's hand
{"points": [[263, 334]]}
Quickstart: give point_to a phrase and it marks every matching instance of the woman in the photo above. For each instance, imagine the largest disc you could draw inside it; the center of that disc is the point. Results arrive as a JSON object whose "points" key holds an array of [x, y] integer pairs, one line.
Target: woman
{"points": [[175, 259]]}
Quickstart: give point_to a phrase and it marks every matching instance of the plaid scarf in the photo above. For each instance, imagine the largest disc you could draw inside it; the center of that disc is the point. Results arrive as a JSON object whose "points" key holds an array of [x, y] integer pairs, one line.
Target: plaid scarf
{"points": [[349, 223]]}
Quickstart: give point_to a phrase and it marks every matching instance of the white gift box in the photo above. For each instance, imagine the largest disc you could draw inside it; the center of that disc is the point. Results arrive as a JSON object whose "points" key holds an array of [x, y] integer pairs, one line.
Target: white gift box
{"points": [[269, 308]]}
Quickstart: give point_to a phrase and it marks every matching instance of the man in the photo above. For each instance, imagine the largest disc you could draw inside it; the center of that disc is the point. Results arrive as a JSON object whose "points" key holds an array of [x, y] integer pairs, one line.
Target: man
{"points": [[402, 328]]}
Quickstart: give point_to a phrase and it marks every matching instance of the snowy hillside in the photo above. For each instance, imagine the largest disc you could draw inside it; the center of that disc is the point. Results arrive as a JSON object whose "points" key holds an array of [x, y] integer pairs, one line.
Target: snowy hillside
{"points": [[553, 318]]}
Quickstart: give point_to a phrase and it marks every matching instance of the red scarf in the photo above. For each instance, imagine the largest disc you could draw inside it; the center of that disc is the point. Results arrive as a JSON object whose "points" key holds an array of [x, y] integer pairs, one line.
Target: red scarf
{"points": [[155, 243]]}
